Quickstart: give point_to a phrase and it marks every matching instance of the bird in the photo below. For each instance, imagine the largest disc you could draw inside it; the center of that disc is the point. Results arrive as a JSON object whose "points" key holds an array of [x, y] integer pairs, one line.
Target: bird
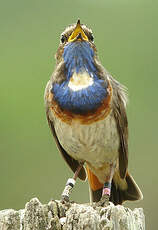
{"points": [[86, 112]]}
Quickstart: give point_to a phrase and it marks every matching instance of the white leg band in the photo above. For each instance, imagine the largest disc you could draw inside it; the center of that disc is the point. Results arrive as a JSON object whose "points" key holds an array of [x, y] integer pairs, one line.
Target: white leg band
{"points": [[69, 185], [71, 182]]}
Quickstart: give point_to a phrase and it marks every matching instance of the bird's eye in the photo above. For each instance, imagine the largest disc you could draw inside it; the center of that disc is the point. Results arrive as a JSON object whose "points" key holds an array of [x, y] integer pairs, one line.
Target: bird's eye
{"points": [[63, 38], [91, 37]]}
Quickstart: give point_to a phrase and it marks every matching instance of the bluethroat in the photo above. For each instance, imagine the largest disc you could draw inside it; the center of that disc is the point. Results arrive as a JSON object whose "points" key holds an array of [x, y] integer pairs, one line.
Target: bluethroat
{"points": [[86, 112]]}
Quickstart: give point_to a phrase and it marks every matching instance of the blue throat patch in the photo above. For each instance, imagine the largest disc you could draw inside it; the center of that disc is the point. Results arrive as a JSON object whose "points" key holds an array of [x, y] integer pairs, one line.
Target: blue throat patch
{"points": [[78, 57]]}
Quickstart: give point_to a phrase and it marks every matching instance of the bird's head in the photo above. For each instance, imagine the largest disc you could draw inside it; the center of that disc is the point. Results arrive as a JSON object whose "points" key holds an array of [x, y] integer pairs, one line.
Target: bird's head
{"points": [[79, 83], [75, 35]]}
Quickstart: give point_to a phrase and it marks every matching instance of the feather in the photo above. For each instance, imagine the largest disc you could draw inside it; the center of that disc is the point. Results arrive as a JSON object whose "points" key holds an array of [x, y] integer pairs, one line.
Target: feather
{"points": [[119, 102]]}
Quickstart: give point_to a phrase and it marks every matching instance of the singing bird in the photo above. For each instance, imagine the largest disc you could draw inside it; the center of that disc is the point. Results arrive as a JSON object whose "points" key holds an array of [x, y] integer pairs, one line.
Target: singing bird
{"points": [[86, 112]]}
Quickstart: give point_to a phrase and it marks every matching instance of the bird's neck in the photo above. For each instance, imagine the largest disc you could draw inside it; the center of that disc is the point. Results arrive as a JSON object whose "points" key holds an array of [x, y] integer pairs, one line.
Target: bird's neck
{"points": [[79, 57], [82, 91]]}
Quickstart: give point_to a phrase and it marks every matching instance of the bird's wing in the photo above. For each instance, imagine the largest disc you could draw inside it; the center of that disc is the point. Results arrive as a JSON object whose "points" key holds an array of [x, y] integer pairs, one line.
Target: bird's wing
{"points": [[119, 105], [73, 164]]}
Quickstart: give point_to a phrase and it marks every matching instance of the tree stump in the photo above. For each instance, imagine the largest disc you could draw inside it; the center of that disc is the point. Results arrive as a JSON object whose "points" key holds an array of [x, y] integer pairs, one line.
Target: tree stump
{"points": [[58, 216]]}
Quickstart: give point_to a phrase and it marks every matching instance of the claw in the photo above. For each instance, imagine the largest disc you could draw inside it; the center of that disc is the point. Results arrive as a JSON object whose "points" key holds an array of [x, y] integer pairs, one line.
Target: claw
{"points": [[65, 199], [104, 201]]}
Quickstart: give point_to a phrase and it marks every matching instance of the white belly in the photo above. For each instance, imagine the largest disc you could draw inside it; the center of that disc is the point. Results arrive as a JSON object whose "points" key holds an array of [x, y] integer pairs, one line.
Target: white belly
{"points": [[96, 143]]}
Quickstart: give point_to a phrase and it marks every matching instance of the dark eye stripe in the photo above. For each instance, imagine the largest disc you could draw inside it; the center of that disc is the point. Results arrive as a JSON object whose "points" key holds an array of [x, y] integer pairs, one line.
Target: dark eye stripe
{"points": [[63, 38], [91, 37]]}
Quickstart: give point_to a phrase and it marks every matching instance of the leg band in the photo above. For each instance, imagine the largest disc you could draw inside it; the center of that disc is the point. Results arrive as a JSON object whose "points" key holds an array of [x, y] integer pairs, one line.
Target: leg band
{"points": [[106, 189], [71, 182], [69, 185]]}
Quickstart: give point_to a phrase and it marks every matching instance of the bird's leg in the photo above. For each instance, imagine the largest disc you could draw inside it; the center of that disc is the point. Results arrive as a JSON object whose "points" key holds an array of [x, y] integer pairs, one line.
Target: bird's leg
{"points": [[106, 192], [70, 184], [104, 201]]}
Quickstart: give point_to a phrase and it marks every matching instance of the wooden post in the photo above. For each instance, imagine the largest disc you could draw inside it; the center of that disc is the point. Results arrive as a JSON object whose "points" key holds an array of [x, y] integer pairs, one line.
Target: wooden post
{"points": [[57, 216]]}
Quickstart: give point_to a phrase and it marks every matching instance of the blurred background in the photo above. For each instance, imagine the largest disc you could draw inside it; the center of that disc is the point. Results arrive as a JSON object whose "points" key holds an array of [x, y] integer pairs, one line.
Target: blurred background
{"points": [[126, 38]]}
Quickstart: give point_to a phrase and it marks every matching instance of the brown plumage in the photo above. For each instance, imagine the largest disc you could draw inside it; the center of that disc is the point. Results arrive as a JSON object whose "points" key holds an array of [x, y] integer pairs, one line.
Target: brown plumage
{"points": [[98, 137]]}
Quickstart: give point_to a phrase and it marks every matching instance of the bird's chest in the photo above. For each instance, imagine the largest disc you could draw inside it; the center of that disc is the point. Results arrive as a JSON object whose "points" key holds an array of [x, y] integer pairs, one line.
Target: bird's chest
{"points": [[96, 143]]}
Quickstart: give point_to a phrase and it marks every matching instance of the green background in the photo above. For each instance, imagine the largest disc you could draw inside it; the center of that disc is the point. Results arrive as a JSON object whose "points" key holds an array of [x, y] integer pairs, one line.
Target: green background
{"points": [[126, 38]]}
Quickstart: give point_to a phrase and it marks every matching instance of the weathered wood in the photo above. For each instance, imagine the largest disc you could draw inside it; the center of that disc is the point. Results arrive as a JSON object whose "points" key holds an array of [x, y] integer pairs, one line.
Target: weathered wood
{"points": [[57, 216]]}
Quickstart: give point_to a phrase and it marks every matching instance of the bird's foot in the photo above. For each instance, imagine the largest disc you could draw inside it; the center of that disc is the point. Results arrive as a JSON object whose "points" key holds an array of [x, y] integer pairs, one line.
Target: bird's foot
{"points": [[65, 200], [104, 201]]}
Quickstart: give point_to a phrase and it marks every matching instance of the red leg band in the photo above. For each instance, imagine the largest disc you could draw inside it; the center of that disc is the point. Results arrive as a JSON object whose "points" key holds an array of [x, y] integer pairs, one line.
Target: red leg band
{"points": [[106, 191]]}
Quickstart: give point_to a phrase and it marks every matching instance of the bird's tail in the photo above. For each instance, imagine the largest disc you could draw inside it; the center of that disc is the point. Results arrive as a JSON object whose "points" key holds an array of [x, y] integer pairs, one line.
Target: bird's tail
{"points": [[121, 189]]}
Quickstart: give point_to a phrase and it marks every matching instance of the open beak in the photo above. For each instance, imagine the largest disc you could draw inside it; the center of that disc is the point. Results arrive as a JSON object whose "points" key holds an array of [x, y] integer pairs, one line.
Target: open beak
{"points": [[78, 34]]}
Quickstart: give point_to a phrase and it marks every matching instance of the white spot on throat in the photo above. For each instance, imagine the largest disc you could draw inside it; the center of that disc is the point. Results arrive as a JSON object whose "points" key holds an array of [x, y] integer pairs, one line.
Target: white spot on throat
{"points": [[80, 81]]}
